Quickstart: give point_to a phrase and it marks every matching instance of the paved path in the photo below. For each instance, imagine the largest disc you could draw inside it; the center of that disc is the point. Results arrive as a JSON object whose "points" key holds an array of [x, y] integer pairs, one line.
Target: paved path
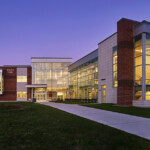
{"points": [[135, 125]]}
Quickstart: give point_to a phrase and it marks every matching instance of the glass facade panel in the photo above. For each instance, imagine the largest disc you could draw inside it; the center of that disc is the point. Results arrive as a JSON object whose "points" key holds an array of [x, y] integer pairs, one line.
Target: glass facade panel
{"points": [[138, 95], [21, 78], [147, 50], [21, 94], [138, 60], [147, 71], [55, 75], [147, 59], [115, 82], [147, 67], [148, 42], [83, 81], [147, 94], [138, 73], [138, 67], [147, 82], [138, 92], [138, 51], [138, 43]]}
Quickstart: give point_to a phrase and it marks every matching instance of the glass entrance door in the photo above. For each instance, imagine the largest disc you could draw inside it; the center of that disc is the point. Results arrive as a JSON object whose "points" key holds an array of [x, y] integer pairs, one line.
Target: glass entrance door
{"points": [[40, 96], [103, 93]]}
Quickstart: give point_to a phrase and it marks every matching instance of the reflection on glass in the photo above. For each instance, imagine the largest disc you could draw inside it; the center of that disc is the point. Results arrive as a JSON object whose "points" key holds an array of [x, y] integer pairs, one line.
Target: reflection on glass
{"points": [[138, 51], [138, 43]]}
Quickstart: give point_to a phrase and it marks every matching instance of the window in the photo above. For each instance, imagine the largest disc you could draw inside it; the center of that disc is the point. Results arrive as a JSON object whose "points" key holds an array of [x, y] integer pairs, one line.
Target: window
{"points": [[115, 82], [1, 82], [21, 94], [21, 78], [138, 51], [83, 81], [138, 67]]}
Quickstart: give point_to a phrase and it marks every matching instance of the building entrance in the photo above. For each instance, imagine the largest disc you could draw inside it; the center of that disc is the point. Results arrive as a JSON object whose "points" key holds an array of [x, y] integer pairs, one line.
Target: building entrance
{"points": [[40, 96]]}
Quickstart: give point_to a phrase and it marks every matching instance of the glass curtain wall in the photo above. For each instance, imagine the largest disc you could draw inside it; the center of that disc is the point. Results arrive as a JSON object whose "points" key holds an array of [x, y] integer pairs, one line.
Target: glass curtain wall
{"points": [[147, 76], [115, 81], [138, 67], [55, 75], [83, 83], [142, 66]]}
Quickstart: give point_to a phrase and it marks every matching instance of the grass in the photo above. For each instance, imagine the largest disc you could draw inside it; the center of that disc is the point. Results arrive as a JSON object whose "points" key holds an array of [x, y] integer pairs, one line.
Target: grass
{"points": [[39, 127], [136, 111]]}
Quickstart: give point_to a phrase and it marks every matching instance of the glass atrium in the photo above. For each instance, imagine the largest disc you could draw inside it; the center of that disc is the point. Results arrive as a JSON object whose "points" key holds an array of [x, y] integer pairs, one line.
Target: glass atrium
{"points": [[83, 83], [142, 66], [54, 75]]}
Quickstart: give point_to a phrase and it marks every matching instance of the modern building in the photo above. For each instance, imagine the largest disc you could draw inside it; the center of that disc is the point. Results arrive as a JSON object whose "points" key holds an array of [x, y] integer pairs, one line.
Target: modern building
{"points": [[50, 78], [47, 79], [13, 81], [117, 72], [83, 80], [107, 70]]}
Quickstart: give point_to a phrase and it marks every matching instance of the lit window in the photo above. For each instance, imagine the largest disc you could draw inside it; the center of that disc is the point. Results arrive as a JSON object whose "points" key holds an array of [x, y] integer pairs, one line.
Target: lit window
{"points": [[115, 82], [138, 67], [21, 78], [1, 83], [138, 61], [138, 51], [21, 94]]}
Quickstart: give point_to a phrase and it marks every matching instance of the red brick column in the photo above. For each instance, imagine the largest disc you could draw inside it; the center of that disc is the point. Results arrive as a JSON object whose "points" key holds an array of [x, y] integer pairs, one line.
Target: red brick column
{"points": [[125, 61]]}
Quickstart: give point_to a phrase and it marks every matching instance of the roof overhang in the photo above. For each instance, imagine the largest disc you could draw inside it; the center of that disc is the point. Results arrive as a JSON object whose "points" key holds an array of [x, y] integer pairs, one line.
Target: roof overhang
{"points": [[36, 86]]}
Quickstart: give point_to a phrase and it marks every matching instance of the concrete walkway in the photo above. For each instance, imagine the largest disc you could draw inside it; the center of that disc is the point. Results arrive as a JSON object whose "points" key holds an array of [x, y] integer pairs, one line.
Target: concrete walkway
{"points": [[135, 125]]}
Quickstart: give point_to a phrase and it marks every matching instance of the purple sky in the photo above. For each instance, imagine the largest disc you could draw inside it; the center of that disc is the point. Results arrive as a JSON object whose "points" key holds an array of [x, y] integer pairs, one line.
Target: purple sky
{"points": [[60, 28]]}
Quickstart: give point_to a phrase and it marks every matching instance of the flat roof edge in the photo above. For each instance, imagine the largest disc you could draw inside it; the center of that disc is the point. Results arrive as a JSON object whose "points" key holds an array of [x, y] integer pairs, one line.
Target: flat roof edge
{"points": [[83, 57], [16, 66], [107, 38], [51, 58], [127, 19]]}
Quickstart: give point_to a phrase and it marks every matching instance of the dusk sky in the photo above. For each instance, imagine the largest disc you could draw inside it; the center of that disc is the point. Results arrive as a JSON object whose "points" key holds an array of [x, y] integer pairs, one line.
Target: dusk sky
{"points": [[60, 28]]}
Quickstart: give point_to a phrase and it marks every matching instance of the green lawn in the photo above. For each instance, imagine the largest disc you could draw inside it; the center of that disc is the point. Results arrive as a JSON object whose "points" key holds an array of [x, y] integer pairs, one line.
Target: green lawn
{"points": [[136, 111], [39, 127]]}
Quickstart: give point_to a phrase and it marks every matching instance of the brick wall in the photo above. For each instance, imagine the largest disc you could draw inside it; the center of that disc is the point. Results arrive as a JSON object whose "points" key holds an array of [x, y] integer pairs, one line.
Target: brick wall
{"points": [[125, 61], [10, 86]]}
